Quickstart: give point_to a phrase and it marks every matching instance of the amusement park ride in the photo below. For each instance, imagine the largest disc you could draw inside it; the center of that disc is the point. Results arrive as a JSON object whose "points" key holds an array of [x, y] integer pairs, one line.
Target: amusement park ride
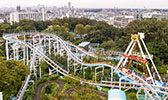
{"points": [[31, 48]]}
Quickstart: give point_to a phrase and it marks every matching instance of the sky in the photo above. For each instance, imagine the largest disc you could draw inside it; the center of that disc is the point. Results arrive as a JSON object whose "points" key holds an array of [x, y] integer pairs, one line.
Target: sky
{"points": [[89, 3]]}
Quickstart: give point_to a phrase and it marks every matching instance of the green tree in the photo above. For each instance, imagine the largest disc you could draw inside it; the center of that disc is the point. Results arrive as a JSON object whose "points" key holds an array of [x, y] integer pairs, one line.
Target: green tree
{"points": [[27, 25], [88, 28], [62, 31], [2, 50], [159, 49], [44, 66], [96, 36], [102, 31], [156, 36], [4, 28], [80, 29], [12, 74], [19, 29], [131, 96], [109, 45], [41, 25]]}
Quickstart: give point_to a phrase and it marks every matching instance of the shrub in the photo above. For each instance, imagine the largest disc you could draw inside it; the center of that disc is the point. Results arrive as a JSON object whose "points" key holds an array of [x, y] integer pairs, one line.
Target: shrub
{"points": [[54, 77]]}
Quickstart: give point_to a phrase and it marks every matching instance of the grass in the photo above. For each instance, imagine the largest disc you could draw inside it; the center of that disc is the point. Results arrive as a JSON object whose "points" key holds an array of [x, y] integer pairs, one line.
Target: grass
{"points": [[105, 90], [66, 86]]}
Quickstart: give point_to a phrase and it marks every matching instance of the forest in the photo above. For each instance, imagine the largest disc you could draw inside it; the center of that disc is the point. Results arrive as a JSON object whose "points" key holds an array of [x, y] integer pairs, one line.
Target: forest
{"points": [[109, 37]]}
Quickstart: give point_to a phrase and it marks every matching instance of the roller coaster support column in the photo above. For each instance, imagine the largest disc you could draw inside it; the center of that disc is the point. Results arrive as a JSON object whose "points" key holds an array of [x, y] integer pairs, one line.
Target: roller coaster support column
{"points": [[111, 75], [138, 92], [27, 55], [102, 72], [82, 61], [84, 72], [17, 52], [7, 51], [49, 49], [33, 40], [24, 52], [54, 48], [40, 71], [68, 59], [44, 45], [74, 67], [68, 62], [124, 78], [57, 47], [52, 71], [14, 51], [141, 95], [34, 62]]}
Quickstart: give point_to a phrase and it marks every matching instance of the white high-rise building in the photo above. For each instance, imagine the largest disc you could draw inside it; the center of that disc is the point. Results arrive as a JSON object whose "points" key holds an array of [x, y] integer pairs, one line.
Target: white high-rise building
{"points": [[69, 5], [1, 98], [36, 16], [18, 8]]}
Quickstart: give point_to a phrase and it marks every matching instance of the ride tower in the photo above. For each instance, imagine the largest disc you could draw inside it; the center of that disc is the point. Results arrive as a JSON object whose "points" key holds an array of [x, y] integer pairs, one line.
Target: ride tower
{"points": [[137, 60]]}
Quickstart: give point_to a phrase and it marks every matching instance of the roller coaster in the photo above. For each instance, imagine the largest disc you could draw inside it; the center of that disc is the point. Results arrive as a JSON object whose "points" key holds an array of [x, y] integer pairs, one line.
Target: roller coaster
{"points": [[34, 47]]}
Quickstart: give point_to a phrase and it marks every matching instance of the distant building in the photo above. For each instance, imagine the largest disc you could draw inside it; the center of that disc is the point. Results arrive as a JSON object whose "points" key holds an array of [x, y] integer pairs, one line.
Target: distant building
{"points": [[123, 21], [1, 20], [84, 45], [18, 8], [159, 17], [149, 15], [36, 16], [28, 9], [1, 98], [139, 16], [69, 5]]}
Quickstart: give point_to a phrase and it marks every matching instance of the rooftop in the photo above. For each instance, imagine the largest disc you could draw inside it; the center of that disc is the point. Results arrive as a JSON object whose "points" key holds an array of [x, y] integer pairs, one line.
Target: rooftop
{"points": [[83, 44]]}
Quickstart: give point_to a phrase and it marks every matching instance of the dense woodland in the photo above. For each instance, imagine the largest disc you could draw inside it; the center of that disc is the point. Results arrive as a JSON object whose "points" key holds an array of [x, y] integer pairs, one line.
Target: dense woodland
{"points": [[109, 37], [12, 73]]}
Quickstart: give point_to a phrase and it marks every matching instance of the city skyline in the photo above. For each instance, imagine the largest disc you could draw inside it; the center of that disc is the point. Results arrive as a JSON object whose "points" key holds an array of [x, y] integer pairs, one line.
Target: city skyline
{"points": [[159, 4]]}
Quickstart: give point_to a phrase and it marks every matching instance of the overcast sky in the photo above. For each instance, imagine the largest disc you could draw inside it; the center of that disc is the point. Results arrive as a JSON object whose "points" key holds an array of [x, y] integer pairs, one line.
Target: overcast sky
{"points": [[89, 3]]}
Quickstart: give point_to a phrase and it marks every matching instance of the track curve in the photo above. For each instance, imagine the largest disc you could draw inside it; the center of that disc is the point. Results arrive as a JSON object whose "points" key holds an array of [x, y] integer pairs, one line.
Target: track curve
{"points": [[151, 91]]}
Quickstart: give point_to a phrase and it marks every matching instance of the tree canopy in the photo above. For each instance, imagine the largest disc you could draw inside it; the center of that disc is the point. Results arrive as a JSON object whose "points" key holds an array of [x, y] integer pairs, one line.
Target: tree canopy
{"points": [[12, 74], [101, 32], [80, 29]]}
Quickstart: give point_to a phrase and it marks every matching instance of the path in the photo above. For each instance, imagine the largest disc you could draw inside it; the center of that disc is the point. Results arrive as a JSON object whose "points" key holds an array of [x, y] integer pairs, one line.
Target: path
{"points": [[40, 87]]}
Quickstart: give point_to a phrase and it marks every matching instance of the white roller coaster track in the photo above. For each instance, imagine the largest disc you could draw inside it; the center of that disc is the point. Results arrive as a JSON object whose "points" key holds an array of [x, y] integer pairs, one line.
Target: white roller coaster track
{"points": [[135, 81]]}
